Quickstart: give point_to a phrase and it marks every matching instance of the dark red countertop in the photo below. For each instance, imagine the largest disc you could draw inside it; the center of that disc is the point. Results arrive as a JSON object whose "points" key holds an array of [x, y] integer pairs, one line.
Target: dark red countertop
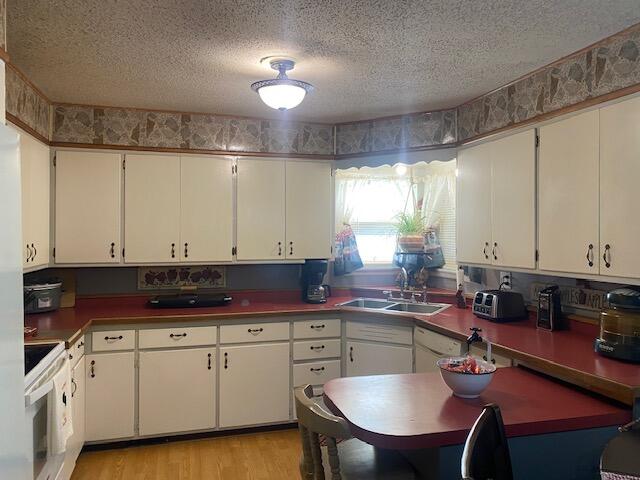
{"points": [[67, 324], [414, 411]]}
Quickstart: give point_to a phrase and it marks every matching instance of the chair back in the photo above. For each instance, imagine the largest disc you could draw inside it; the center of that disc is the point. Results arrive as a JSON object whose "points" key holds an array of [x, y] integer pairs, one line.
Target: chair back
{"points": [[313, 421], [486, 452]]}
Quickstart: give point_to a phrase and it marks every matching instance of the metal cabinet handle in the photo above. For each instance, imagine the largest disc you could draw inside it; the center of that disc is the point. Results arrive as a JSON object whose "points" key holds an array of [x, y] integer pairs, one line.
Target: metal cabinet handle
{"points": [[255, 330], [119, 337], [351, 354], [186, 250], [607, 255], [493, 360], [29, 253], [317, 327], [484, 250], [92, 369], [279, 248], [290, 248], [173, 250], [81, 344], [493, 250], [226, 360], [177, 335], [317, 347], [590, 255], [321, 369], [208, 361], [70, 356], [75, 387], [112, 250], [35, 252]]}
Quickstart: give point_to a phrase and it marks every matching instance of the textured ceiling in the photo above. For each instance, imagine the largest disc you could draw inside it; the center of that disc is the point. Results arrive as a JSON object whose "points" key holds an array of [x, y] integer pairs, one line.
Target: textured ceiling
{"points": [[366, 58]]}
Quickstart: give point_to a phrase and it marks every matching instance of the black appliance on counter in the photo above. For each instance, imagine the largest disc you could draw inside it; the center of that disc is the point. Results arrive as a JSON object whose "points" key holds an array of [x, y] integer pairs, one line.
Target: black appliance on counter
{"points": [[190, 300], [499, 305], [620, 325], [550, 309], [313, 290]]}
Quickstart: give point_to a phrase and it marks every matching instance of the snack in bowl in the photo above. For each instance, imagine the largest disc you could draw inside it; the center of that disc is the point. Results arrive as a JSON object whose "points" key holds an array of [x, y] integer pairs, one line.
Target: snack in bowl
{"points": [[466, 376]]}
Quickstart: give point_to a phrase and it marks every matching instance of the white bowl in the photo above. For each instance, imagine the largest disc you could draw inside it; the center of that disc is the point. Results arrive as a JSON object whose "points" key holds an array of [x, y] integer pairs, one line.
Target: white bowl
{"points": [[467, 385]]}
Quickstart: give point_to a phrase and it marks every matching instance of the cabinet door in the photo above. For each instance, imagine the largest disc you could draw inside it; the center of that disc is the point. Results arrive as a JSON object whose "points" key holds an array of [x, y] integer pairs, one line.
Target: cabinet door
{"points": [[308, 206], [36, 190], [473, 205], [78, 409], [619, 180], [177, 391], [254, 384], [377, 359], [152, 208], [513, 202], [261, 209], [206, 209], [109, 396], [568, 185], [88, 192]]}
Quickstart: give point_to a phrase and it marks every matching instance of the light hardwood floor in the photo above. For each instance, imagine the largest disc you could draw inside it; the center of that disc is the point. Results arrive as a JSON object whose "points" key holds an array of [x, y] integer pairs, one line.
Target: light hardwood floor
{"points": [[259, 456]]}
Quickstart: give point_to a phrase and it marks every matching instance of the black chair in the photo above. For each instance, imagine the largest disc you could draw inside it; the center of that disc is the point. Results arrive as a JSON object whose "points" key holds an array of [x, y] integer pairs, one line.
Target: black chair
{"points": [[486, 452]]}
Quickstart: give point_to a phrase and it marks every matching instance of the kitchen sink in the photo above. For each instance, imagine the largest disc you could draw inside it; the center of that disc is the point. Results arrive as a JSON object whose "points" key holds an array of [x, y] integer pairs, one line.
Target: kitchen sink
{"points": [[424, 308], [367, 303]]}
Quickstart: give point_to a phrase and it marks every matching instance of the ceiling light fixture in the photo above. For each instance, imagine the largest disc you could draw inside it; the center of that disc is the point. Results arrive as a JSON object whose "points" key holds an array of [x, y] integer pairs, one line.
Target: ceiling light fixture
{"points": [[282, 93]]}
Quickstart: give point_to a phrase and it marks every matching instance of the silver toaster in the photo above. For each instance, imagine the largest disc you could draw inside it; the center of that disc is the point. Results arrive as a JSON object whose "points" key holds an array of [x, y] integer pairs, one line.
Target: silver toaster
{"points": [[499, 305]]}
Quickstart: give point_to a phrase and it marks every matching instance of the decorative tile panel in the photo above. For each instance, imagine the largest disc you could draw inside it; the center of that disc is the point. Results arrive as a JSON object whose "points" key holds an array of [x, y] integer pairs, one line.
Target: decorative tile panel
{"points": [[205, 132], [72, 123], [163, 130], [353, 138], [3, 24], [247, 135], [617, 63], [26, 103], [281, 137], [316, 139], [387, 134], [116, 126]]}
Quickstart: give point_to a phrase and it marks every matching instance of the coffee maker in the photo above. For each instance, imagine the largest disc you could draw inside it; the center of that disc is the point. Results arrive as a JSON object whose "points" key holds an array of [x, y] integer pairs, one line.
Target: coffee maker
{"points": [[313, 290]]}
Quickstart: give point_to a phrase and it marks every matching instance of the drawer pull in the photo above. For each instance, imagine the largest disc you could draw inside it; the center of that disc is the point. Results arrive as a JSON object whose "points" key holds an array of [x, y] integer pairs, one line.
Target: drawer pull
{"points": [[112, 250], [70, 356], [317, 327], [119, 337], [321, 369], [75, 387], [226, 360], [351, 354], [81, 344], [255, 331], [208, 361], [316, 347], [92, 369], [177, 335]]}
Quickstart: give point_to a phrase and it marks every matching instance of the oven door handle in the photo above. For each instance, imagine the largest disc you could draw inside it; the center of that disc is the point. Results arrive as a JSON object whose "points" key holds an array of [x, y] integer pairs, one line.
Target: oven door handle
{"points": [[32, 396]]}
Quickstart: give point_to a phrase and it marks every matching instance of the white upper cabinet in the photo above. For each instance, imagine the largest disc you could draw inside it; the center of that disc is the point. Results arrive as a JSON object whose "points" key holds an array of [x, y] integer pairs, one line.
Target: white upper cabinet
{"points": [[568, 184], [206, 209], [261, 209], [619, 181], [308, 210], [87, 220], [473, 213], [513, 200], [35, 172], [152, 208]]}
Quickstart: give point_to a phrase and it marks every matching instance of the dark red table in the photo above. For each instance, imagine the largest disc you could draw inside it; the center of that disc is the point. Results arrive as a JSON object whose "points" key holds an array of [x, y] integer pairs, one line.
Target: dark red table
{"points": [[418, 411]]}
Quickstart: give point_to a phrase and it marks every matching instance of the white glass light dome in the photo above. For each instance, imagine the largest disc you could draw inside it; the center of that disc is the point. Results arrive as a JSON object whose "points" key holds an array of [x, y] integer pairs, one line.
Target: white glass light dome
{"points": [[282, 93]]}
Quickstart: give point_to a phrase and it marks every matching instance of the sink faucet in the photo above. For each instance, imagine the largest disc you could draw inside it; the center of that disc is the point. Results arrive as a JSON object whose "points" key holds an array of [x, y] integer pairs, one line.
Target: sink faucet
{"points": [[474, 337], [404, 280]]}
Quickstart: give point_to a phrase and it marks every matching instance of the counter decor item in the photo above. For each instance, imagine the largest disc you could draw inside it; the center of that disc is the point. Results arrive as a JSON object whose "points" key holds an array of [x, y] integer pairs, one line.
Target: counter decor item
{"points": [[42, 295], [468, 376], [620, 325], [550, 309], [174, 278], [410, 230]]}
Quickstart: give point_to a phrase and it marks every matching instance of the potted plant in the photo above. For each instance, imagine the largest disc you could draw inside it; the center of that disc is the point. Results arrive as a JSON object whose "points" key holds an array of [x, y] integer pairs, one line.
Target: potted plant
{"points": [[410, 229]]}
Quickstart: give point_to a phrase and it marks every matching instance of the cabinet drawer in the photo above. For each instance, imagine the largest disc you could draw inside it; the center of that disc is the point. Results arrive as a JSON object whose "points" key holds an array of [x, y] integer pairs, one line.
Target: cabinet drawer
{"points": [[76, 351], [380, 332], [315, 373], [113, 340], [258, 332], [317, 328], [177, 337], [439, 344], [313, 349]]}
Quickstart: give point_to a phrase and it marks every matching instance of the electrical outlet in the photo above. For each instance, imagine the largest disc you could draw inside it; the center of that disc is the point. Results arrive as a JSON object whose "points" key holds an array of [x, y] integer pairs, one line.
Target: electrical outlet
{"points": [[505, 280]]}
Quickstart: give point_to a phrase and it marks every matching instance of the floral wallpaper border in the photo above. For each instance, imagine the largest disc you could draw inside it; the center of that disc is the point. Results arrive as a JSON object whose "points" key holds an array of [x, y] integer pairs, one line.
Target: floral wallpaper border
{"points": [[610, 65], [172, 278]]}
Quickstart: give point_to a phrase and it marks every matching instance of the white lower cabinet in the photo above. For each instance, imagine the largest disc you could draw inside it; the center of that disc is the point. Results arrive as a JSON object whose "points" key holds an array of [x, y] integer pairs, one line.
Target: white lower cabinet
{"points": [[431, 347], [177, 390], [254, 384], [499, 361], [364, 358], [110, 396], [76, 441]]}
